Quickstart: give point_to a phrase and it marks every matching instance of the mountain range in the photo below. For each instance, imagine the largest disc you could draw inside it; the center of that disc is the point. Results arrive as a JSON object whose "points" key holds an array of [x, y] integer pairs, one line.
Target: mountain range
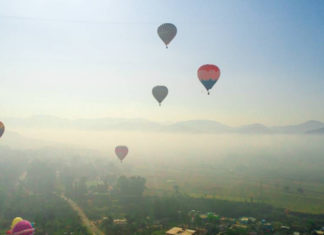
{"points": [[319, 131], [136, 124]]}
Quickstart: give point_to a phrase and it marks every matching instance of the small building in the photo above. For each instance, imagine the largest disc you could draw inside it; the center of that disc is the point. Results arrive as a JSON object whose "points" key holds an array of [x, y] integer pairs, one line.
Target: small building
{"points": [[212, 215], [120, 221], [239, 226], [319, 232], [244, 220], [203, 216], [283, 227], [252, 219], [193, 213], [174, 230], [180, 231], [267, 227], [188, 232], [201, 231]]}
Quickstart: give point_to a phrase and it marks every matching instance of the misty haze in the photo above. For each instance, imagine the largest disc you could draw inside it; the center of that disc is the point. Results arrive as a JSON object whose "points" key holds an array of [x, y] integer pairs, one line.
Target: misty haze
{"points": [[161, 118]]}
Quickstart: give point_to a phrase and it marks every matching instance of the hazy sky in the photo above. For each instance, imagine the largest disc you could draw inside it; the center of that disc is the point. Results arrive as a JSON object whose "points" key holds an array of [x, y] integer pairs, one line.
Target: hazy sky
{"points": [[101, 58]]}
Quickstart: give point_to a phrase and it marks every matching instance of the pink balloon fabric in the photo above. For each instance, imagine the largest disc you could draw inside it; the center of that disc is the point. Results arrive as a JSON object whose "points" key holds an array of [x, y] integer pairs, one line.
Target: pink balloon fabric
{"points": [[121, 152], [208, 72], [208, 75], [23, 228]]}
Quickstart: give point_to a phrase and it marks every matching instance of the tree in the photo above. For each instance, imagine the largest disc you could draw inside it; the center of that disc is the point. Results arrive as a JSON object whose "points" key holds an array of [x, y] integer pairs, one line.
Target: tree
{"points": [[133, 186], [107, 223], [41, 177], [67, 180], [300, 190], [176, 188]]}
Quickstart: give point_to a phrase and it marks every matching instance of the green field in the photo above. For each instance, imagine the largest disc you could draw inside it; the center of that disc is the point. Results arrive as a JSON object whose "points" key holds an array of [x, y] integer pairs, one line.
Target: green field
{"points": [[298, 188]]}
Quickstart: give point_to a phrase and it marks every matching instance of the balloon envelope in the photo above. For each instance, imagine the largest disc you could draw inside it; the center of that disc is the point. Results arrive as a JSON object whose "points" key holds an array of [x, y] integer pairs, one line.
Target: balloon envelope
{"points": [[23, 228], [2, 129], [15, 221], [121, 152], [159, 93], [208, 75], [167, 32]]}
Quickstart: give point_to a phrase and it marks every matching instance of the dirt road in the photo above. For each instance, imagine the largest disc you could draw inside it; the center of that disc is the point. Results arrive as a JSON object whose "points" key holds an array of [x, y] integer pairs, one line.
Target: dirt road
{"points": [[86, 222]]}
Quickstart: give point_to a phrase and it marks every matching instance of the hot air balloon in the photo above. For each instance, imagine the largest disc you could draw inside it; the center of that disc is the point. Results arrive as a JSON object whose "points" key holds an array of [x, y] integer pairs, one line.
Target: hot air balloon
{"points": [[167, 32], [208, 75], [121, 152], [15, 221], [2, 129], [159, 93], [23, 227]]}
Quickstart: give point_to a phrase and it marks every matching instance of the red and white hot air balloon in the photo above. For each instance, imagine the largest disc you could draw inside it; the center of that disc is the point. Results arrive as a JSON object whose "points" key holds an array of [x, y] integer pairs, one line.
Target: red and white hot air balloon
{"points": [[121, 152], [208, 75]]}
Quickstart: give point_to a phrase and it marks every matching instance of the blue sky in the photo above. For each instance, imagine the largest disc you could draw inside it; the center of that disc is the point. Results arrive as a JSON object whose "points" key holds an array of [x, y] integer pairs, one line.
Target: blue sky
{"points": [[101, 58]]}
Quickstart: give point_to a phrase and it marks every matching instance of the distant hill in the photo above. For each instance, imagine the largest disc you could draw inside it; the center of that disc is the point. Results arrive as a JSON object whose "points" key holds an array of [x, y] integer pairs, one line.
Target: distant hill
{"points": [[13, 139], [253, 129], [91, 124], [204, 126], [137, 124], [319, 131], [300, 128]]}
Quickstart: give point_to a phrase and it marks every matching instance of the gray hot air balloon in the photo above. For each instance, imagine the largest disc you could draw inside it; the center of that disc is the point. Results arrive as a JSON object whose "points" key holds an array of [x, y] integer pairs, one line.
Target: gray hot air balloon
{"points": [[159, 93], [167, 32]]}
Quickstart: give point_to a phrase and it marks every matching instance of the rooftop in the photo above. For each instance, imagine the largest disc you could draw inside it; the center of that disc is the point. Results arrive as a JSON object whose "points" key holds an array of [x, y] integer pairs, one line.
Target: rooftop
{"points": [[120, 221], [180, 231]]}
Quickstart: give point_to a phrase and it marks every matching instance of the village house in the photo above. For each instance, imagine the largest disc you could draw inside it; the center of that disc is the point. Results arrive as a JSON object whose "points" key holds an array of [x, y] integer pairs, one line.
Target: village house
{"points": [[120, 221], [318, 232], [180, 231]]}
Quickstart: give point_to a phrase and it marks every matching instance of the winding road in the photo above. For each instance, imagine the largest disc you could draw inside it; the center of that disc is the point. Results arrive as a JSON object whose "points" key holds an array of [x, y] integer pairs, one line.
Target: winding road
{"points": [[85, 221]]}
